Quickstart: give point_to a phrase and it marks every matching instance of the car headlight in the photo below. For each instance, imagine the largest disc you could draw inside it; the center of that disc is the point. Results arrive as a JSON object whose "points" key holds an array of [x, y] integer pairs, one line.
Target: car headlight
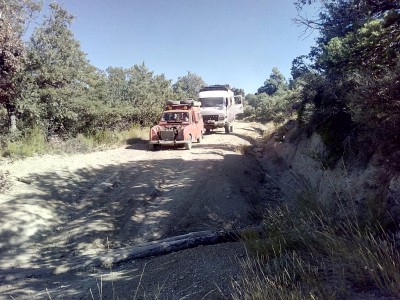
{"points": [[221, 118]]}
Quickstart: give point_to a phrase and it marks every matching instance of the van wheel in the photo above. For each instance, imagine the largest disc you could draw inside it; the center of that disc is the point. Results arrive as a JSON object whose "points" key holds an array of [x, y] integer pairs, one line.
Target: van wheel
{"points": [[227, 128], [188, 144]]}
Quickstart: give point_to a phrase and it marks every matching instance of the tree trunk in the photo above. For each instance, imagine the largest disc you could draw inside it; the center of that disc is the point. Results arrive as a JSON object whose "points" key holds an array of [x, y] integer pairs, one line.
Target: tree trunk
{"points": [[12, 119], [13, 123]]}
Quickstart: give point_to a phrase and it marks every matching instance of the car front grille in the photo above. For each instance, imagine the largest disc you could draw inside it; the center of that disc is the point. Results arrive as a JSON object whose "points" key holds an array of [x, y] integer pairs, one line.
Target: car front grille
{"points": [[210, 118], [167, 135]]}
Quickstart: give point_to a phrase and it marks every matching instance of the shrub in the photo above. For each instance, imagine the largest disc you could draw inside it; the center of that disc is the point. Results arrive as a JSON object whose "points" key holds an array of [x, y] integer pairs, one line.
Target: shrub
{"points": [[30, 143]]}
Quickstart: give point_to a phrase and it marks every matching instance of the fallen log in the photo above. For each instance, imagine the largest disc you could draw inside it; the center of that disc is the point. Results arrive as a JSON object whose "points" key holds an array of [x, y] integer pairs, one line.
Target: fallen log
{"points": [[168, 245]]}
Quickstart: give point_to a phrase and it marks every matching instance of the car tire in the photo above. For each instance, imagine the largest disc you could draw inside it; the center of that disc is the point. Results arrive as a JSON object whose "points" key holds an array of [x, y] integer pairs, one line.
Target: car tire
{"points": [[200, 138], [154, 147]]}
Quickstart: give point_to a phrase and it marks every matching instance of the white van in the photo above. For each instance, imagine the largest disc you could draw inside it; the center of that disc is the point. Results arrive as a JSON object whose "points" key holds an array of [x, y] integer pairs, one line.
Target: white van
{"points": [[219, 107]]}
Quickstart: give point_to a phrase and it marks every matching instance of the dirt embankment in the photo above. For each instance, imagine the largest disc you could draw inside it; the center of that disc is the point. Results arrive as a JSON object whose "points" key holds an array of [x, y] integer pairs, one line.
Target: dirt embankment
{"points": [[63, 211]]}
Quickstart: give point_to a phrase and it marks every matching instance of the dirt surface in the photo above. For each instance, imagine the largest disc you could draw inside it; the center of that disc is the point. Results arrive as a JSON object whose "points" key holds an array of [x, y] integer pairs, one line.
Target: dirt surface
{"points": [[62, 211]]}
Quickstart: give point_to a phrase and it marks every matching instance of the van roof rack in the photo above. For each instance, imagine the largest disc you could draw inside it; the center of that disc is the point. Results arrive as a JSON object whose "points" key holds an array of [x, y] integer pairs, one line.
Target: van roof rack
{"points": [[215, 88], [186, 102]]}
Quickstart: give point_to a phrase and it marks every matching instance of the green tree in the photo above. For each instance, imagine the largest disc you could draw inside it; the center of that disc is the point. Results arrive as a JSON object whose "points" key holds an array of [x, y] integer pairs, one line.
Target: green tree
{"points": [[275, 83], [147, 92], [57, 69], [117, 85], [14, 15], [237, 91], [188, 86], [137, 93], [299, 66], [356, 64]]}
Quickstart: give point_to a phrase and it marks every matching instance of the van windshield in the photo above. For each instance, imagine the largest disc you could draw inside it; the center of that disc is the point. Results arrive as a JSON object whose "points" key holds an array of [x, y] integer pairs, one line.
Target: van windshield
{"points": [[212, 102]]}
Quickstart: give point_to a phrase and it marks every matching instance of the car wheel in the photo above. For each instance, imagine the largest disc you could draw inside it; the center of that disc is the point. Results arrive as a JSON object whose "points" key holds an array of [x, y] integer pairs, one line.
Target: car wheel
{"points": [[153, 147], [200, 138]]}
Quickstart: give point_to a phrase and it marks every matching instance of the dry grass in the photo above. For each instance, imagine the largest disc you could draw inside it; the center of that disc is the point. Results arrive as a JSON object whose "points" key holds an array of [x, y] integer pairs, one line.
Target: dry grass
{"points": [[289, 277], [31, 143], [35, 142], [319, 251], [243, 149]]}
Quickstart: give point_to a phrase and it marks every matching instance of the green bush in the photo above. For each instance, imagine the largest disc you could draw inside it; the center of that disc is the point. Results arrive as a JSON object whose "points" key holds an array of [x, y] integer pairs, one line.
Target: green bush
{"points": [[31, 143]]}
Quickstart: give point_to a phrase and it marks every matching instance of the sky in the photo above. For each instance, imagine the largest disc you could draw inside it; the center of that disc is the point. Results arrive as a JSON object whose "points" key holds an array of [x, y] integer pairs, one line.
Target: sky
{"points": [[235, 42]]}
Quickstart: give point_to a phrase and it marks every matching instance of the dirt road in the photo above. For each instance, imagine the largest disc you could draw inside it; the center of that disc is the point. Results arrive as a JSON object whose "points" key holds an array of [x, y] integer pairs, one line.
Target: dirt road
{"points": [[65, 210]]}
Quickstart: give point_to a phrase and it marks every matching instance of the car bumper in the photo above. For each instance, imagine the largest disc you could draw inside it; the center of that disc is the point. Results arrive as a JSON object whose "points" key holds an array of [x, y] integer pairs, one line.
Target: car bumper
{"points": [[167, 143], [211, 124]]}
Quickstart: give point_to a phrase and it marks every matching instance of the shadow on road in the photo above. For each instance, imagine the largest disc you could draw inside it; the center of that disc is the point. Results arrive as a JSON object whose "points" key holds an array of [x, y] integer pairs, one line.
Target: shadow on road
{"points": [[60, 222]]}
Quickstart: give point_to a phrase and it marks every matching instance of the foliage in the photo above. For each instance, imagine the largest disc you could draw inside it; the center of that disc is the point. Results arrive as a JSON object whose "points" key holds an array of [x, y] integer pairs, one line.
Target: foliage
{"points": [[34, 142], [30, 143], [237, 91], [300, 66], [14, 15], [136, 92], [188, 86], [11, 59], [59, 90], [274, 100], [353, 75], [49, 83], [347, 91], [276, 83], [55, 73]]}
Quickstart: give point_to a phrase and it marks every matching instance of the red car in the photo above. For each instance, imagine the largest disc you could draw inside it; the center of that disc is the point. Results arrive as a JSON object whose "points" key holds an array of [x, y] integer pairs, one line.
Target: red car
{"points": [[180, 124]]}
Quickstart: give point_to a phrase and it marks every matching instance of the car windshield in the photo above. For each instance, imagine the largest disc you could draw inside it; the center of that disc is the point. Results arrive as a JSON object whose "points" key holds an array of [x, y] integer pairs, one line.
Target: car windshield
{"points": [[175, 117], [212, 102]]}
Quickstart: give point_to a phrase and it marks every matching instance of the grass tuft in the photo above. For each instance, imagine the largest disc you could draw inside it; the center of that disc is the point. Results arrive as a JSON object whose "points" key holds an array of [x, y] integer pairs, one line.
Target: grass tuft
{"points": [[35, 142], [31, 143], [312, 250], [243, 149]]}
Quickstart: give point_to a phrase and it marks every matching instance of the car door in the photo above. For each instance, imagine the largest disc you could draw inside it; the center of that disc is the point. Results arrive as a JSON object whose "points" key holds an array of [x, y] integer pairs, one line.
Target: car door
{"points": [[237, 106]]}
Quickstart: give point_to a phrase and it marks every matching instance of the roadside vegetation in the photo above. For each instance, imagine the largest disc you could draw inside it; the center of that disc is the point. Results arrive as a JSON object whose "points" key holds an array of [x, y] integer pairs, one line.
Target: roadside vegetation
{"points": [[313, 248], [50, 91], [346, 90]]}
